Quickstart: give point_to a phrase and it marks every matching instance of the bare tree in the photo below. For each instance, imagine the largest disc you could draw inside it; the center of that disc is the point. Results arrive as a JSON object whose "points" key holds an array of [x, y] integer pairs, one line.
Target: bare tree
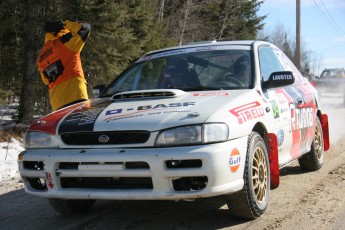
{"points": [[161, 11], [280, 37], [230, 8], [187, 10]]}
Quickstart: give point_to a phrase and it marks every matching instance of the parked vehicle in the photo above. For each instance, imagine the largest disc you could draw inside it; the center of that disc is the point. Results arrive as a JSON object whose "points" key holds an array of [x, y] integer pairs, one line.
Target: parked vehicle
{"points": [[187, 122], [331, 80]]}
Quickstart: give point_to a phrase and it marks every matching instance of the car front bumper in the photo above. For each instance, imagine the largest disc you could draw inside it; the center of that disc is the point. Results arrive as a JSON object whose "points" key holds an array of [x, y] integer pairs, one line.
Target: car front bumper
{"points": [[135, 173]]}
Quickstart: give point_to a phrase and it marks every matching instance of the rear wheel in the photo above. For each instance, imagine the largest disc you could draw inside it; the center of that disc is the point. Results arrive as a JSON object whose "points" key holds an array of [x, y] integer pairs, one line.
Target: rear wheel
{"points": [[313, 160], [71, 206], [251, 202]]}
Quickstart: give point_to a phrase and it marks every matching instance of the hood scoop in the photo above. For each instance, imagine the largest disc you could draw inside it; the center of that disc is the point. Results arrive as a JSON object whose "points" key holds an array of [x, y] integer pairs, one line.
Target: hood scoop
{"points": [[148, 94]]}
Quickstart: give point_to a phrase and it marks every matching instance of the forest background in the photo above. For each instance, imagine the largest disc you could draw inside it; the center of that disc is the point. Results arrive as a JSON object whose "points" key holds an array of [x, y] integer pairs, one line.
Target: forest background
{"points": [[121, 31]]}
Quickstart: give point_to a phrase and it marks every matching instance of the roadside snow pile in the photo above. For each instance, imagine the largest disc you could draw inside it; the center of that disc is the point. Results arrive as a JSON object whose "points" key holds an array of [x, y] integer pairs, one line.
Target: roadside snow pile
{"points": [[8, 159]]}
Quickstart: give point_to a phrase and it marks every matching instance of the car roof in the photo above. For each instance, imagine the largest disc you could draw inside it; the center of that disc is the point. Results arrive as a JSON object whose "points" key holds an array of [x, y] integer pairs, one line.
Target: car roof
{"points": [[209, 43]]}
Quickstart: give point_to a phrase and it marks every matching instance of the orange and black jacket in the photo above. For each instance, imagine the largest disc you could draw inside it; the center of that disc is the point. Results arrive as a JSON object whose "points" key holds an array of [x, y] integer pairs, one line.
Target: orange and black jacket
{"points": [[60, 65]]}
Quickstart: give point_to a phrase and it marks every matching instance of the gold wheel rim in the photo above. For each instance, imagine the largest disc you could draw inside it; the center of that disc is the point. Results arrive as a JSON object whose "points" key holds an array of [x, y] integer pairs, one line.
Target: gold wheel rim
{"points": [[259, 176], [318, 142]]}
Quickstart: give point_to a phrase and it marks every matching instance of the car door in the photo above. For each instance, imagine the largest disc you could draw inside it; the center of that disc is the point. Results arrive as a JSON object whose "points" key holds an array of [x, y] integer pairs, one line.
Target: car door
{"points": [[303, 110], [280, 102], [293, 106]]}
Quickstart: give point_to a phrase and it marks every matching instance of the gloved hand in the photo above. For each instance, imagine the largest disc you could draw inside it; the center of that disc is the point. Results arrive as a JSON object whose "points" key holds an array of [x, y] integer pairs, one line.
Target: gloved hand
{"points": [[53, 26]]}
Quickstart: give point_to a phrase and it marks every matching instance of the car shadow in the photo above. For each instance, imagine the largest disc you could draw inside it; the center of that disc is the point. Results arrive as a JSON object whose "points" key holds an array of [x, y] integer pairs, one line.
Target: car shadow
{"points": [[291, 170], [20, 210]]}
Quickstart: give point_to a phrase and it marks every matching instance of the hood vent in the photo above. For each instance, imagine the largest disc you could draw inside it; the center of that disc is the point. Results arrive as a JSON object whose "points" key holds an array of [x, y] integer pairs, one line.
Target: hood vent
{"points": [[148, 94]]}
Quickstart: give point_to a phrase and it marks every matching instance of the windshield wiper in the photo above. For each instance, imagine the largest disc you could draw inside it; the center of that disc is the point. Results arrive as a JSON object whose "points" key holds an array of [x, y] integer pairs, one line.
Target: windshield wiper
{"points": [[200, 88]]}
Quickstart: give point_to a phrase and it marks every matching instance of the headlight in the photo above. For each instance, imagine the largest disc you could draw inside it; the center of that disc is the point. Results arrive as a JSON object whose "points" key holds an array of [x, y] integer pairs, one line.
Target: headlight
{"points": [[193, 134], [39, 140]]}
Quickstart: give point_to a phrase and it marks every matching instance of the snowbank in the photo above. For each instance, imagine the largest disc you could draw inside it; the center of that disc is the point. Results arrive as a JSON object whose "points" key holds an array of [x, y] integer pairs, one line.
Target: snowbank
{"points": [[8, 159]]}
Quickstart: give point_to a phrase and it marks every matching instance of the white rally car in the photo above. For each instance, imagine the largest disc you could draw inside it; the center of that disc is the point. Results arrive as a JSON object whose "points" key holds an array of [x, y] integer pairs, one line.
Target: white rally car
{"points": [[193, 121]]}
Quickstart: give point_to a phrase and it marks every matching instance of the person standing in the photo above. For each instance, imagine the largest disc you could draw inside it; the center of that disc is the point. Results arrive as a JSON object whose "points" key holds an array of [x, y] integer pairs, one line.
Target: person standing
{"points": [[59, 62]]}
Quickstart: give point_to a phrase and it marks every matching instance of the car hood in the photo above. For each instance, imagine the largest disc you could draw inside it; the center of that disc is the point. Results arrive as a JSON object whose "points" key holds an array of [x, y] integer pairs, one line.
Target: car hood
{"points": [[147, 110]]}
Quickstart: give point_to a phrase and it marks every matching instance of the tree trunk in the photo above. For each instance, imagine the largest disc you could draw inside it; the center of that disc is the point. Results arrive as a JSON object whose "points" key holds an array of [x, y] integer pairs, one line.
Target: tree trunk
{"points": [[26, 110], [161, 11], [185, 18]]}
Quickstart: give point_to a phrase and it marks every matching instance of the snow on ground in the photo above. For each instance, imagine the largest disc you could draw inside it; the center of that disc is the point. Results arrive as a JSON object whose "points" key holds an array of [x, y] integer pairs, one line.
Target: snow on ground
{"points": [[8, 159]]}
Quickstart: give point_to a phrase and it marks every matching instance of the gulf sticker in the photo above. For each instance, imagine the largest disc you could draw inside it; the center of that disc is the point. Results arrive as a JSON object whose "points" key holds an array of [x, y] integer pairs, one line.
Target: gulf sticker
{"points": [[234, 161]]}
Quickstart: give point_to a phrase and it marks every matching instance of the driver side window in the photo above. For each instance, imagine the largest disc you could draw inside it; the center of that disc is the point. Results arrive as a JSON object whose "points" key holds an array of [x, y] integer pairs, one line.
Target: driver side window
{"points": [[269, 62]]}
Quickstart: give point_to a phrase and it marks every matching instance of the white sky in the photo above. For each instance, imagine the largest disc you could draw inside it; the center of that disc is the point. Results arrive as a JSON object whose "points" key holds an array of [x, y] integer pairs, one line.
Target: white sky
{"points": [[322, 27]]}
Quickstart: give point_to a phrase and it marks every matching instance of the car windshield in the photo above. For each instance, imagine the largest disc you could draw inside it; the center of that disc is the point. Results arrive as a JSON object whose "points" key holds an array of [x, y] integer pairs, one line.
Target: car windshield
{"points": [[333, 73], [190, 69]]}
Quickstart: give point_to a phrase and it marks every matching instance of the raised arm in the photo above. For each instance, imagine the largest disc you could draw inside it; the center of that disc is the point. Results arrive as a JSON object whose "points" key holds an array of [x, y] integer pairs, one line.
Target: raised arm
{"points": [[77, 35]]}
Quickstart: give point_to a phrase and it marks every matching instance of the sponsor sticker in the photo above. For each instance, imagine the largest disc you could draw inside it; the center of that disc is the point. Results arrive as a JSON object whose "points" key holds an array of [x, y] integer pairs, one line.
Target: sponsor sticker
{"points": [[235, 160], [248, 112], [275, 109], [280, 137], [301, 117], [122, 113], [49, 180]]}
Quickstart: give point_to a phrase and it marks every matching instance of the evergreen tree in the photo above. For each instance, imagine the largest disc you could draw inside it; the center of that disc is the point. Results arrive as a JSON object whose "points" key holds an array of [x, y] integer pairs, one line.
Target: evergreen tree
{"points": [[233, 19], [10, 52], [205, 20], [121, 31]]}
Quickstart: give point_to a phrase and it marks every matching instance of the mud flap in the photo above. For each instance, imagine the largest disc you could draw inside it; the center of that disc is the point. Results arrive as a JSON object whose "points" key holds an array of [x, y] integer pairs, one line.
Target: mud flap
{"points": [[272, 145], [325, 131]]}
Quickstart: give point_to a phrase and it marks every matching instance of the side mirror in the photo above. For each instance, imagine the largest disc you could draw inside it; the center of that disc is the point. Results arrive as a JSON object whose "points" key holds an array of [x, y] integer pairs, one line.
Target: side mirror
{"points": [[97, 90], [278, 79]]}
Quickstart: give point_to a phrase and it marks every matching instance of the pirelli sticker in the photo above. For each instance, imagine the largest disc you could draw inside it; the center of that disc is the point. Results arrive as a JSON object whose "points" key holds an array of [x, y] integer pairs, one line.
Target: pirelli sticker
{"points": [[248, 112]]}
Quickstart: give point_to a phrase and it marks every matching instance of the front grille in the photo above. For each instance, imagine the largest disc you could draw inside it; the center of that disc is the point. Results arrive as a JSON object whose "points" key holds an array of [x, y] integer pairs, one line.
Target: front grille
{"points": [[107, 182], [127, 165], [105, 138]]}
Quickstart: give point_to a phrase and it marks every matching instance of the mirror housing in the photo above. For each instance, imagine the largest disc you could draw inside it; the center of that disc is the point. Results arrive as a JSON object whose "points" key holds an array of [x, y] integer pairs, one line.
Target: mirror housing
{"points": [[278, 79]]}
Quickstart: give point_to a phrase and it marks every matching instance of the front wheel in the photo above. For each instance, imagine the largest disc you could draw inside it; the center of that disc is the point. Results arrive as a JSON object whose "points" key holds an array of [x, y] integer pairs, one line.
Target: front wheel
{"points": [[313, 160], [71, 206], [251, 202]]}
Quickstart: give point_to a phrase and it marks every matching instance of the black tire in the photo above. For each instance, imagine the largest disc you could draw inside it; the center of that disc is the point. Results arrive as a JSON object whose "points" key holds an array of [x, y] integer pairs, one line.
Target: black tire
{"points": [[313, 160], [71, 206], [251, 202]]}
